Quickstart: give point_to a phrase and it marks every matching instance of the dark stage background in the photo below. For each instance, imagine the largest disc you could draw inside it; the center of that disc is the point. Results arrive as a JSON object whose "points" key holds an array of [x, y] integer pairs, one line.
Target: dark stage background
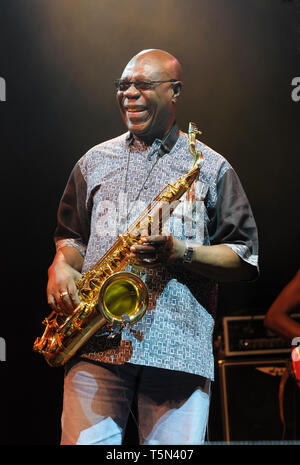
{"points": [[59, 59]]}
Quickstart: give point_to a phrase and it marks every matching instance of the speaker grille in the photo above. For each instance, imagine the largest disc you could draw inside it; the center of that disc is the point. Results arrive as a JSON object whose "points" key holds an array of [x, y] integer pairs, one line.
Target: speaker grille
{"points": [[251, 402]]}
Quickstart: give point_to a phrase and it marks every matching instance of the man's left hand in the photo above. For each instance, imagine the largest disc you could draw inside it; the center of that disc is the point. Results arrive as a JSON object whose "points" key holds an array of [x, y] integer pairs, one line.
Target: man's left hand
{"points": [[153, 251]]}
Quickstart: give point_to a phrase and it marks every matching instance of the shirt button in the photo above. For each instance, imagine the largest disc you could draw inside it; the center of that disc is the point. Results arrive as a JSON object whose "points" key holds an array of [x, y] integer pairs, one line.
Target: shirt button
{"points": [[145, 187]]}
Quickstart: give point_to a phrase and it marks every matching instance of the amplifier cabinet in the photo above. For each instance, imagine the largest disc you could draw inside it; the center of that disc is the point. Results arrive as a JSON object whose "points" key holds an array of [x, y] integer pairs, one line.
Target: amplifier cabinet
{"points": [[250, 402], [247, 336]]}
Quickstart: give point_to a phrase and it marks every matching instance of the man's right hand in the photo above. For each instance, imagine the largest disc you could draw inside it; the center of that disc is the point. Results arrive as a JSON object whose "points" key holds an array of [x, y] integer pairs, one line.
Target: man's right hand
{"points": [[62, 293]]}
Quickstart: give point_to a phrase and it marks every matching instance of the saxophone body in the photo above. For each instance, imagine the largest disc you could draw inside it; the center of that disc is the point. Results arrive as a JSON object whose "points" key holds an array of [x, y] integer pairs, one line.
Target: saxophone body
{"points": [[107, 293]]}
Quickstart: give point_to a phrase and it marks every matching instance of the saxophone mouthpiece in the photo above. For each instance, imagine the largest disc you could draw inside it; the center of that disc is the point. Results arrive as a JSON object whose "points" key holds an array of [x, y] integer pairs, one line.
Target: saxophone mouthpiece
{"points": [[194, 129], [196, 154]]}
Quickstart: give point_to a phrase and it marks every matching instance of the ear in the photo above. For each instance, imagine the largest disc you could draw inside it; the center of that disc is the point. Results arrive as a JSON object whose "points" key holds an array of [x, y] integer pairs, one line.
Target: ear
{"points": [[176, 90]]}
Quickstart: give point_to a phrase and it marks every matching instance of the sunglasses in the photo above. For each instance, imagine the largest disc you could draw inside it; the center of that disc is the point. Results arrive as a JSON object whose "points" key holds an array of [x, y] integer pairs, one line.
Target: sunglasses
{"points": [[122, 84]]}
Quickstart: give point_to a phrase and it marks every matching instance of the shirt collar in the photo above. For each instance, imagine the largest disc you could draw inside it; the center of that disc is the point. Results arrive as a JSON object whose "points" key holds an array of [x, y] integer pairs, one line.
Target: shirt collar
{"points": [[164, 146]]}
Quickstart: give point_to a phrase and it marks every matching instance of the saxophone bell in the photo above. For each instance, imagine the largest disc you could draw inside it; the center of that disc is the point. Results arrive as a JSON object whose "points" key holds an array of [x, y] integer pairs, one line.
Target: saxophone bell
{"points": [[123, 293]]}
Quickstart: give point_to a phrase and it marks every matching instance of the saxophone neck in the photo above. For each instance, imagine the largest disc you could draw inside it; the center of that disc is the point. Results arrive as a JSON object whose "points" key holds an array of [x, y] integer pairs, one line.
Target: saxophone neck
{"points": [[196, 154]]}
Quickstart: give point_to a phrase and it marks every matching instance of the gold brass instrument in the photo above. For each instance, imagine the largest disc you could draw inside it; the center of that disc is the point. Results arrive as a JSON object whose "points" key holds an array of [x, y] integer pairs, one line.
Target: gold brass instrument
{"points": [[107, 294]]}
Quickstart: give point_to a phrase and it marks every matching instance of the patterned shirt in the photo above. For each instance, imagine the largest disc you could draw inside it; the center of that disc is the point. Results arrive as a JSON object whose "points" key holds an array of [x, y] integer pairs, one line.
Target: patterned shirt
{"points": [[108, 188]]}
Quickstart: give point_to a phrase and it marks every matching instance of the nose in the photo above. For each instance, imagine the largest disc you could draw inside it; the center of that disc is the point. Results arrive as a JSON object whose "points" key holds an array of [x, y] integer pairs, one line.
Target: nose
{"points": [[131, 92]]}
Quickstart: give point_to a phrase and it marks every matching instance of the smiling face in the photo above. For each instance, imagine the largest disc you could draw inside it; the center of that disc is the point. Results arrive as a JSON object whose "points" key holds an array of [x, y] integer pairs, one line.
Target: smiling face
{"points": [[150, 113]]}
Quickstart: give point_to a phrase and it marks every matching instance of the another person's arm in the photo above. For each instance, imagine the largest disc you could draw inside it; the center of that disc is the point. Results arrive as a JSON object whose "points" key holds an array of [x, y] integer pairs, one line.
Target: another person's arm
{"points": [[278, 316]]}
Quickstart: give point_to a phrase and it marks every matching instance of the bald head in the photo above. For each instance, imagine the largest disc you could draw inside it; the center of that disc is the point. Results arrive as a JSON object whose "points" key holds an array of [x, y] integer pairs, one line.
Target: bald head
{"points": [[159, 60]]}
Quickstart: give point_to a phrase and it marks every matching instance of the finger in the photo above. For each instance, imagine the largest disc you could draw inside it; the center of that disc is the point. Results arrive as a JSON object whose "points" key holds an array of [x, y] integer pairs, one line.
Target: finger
{"points": [[155, 240], [51, 302], [163, 244], [63, 302], [59, 305], [147, 264], [55, 306], [144, 256], [73, 294], [144, 253], [67, 302], [143, 248]]}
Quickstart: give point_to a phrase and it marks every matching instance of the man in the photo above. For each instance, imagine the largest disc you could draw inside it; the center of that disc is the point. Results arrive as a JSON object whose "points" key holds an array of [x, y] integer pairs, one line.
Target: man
{"points": [[167, 360]]}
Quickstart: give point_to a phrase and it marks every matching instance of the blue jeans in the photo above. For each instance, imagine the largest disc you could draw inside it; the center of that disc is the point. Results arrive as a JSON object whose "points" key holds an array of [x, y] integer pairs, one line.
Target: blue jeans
{"points": [[172, 406]]}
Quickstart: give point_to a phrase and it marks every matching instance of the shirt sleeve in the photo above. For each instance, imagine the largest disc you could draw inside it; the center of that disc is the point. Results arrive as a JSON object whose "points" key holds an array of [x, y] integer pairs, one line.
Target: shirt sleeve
{"points": [[72, 217], [232, 221]]}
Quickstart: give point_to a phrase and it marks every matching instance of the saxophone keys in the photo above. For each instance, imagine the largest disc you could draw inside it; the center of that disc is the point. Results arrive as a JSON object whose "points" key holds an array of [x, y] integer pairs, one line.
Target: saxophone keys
{"points": [[110, 268], [77, 325], [54, 343], [85, 292], [47, 321], [95, 283]]}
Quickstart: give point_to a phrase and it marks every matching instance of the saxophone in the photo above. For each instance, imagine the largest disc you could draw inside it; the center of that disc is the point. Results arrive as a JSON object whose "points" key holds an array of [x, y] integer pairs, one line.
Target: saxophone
{"points": [[107, 294]]}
